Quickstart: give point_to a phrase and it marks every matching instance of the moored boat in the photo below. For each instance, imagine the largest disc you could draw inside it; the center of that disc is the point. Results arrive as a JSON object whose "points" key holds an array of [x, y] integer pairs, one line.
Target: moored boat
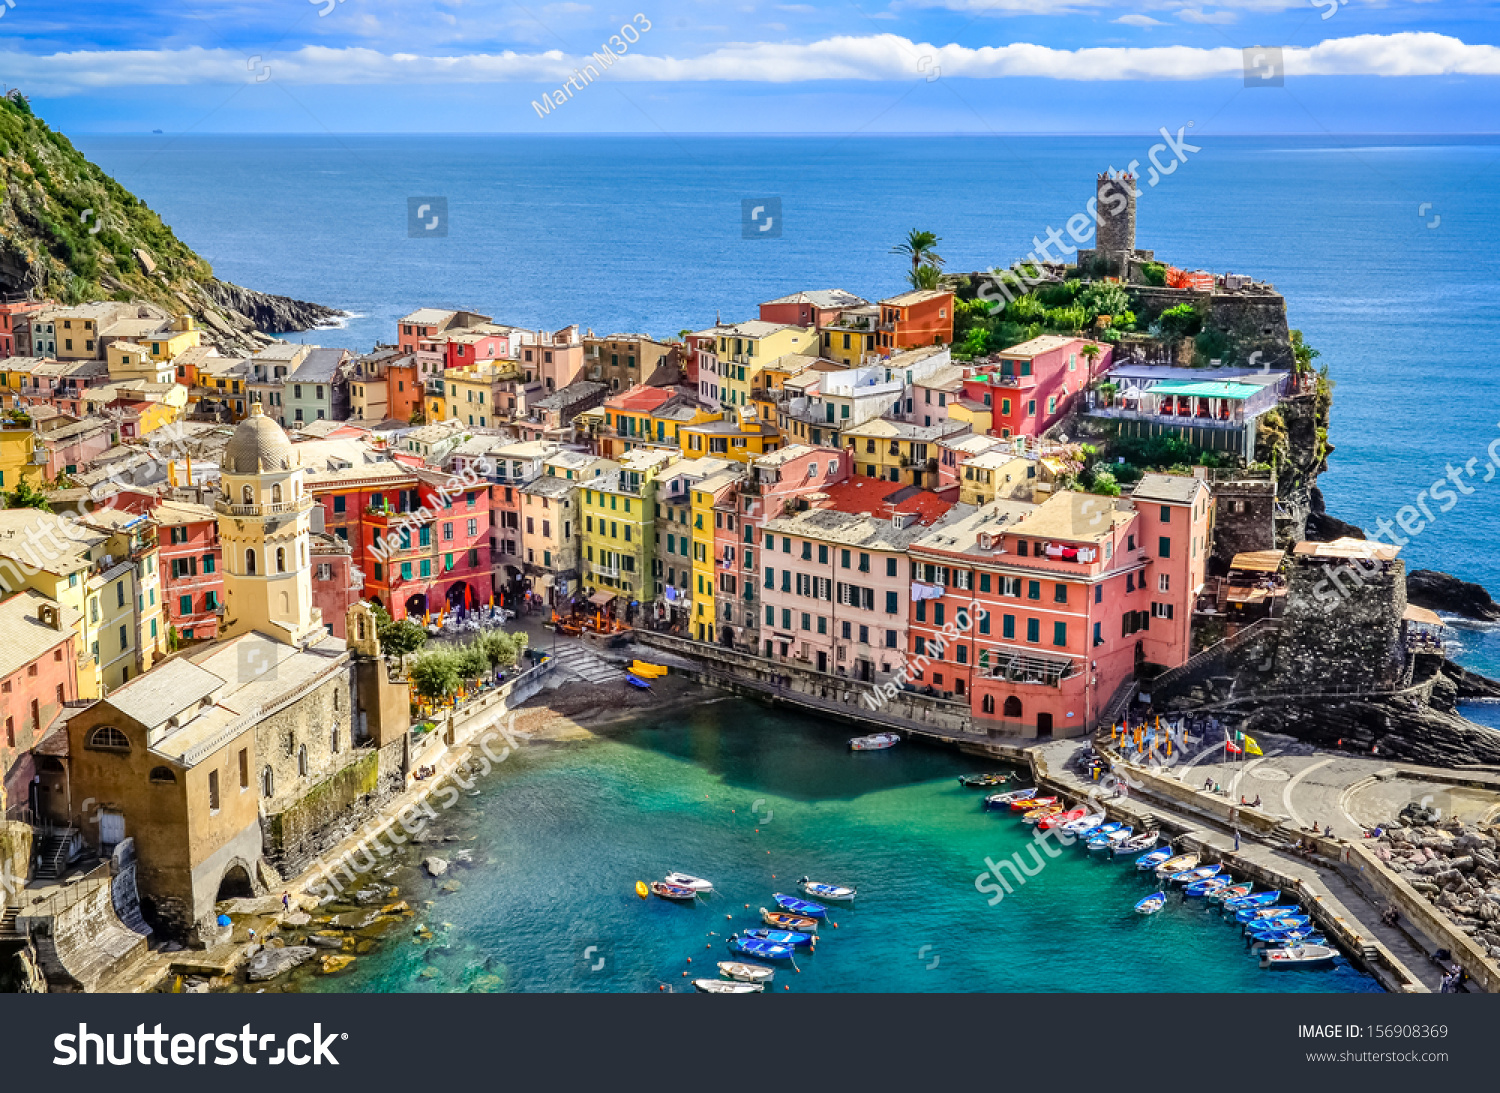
{"points": [[1136, 843], [1083, 823], [878, 742], [984, 781], [746, 973], [782, 937], [1299, 956], [1258, 899], [764, 950], [1264, 913], [1037, 815], [1299, 937], [804, 907], [1058, 819], [1026, 804], [1188, 876], [673, 891], [687, 880], [1151, 904], [1152, 858], [1230, 891], [840, 892], [1172, 866], [783, 920], [1003, 800], [1205, 886], [1282, 924], [727, 986], [1105, 840]]}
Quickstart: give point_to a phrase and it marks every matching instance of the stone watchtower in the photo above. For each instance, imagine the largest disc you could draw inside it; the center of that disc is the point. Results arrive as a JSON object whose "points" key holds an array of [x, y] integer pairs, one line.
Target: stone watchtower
{"points": [[1115, 215]]}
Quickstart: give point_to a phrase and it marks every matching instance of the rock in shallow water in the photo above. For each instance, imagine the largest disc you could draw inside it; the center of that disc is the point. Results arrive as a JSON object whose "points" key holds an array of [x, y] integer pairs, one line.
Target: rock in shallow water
{"points": [[269, 963], [435, 866]]}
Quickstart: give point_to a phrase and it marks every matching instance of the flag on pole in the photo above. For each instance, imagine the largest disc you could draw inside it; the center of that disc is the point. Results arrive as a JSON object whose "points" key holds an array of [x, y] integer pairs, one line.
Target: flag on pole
{"points": [[1251, 747], [1230, 746]]}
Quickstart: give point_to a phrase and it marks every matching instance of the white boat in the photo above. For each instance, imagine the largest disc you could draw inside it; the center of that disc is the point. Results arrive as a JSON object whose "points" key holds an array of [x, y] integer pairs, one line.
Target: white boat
{"points": [[1299, 956], [746, 973], [1073, 827], [687, 880], [1136, 844], [879, 742], [826, 891], [727, 986], [1175, 865]]}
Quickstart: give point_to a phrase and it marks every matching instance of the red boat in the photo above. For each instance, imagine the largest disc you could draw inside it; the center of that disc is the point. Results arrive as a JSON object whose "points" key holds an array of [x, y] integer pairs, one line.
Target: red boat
{"points": [[1061, 818]]}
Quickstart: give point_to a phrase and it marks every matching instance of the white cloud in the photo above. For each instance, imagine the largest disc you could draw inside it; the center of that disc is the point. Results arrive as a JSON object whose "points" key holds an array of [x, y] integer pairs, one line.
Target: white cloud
{"points": [[1198, 15], [1137, 19], [870, 58]]}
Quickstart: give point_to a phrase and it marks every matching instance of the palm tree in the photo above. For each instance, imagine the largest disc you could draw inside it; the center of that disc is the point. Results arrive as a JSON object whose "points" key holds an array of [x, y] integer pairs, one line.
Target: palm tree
{"points": [[1091, 354], [924, 277], [918, 247]]}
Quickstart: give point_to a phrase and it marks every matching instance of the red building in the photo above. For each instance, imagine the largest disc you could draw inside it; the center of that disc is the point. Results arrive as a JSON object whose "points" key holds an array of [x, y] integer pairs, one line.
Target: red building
{"points": [[10, 313], [38, 674], [336, 584], [914, 319], [1036, 382], [1037, 614], [192, 571], [819, 307]]}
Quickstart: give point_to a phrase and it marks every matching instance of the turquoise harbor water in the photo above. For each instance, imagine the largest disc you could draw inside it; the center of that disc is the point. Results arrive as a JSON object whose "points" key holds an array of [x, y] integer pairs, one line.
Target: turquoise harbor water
{"points": [[755, 799]]}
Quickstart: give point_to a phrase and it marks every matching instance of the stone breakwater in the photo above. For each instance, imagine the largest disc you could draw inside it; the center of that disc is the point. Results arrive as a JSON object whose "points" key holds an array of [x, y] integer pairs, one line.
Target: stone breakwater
{"points": [[1457, 869]]}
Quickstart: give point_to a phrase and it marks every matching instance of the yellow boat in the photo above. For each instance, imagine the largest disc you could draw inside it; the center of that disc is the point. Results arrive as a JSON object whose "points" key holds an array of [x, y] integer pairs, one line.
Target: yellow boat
{"points": [[1040, 813], [641, 889], [647, 671]]}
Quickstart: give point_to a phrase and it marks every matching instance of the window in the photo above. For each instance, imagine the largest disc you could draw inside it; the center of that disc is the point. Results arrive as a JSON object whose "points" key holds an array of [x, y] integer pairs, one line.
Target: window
{"points": [[892, 602], [1059, 634], [244, 768], [268, 782], [163, 776], [302, 761], [213, 791], [1033, 630], [1161, 610], [124, 639], [1060, 593], [1008, 626], [1163, 584], [1033, 590], [1164, 546]]}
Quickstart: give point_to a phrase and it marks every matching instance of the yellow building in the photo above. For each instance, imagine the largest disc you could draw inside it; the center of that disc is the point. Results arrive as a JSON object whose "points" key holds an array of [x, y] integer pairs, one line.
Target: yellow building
{"points": [[618, 510], [469, 392], [895, 451], [130, 544], [742, 437], [20, 458], [1000, 474], [706, 495], [852, 336], [166, 344], [743, 349], [131, 361]]}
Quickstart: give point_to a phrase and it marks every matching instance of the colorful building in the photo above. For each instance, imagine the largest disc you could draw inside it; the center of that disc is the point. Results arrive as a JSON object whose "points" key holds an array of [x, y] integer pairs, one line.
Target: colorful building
{"points": [[619, 530], [917, 318], [895, 451], [38, 674], [191, 561], [1037, 382]]}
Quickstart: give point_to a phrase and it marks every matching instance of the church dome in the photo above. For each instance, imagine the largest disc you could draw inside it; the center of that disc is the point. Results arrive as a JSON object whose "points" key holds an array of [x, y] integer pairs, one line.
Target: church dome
{"points": [[258, 444]]}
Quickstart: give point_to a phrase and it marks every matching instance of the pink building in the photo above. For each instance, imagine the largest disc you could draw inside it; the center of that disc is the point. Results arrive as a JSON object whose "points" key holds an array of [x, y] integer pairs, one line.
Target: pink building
{"points": [[836, 582], [1034, 384], [336, 584], [71, 446], [556, 359]]}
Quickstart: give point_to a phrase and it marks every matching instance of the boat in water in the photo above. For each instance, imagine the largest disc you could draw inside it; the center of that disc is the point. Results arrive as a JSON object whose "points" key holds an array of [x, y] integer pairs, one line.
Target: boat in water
{"points": [[1282, 925], [687, 880], [782, 937], [1151, 904], [763, 950], [1202, 872], [1205, 886], [1136, 843], [1058, 819], [1027, 804], [1172, 866], [677, 892], [1299, 956], [1037, 815], [839, 892], [1248, 915], [783, 920], [746, 973], [1229, 892], [1083, 823], [984, 781], [727, 986], [1003, 800], [805, 908], [1103, 840], [1259, 899], [879, 742], [1152, 858]]}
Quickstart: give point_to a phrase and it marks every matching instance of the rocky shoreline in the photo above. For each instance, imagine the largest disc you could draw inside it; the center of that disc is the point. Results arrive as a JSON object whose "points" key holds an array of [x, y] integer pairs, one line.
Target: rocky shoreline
{"points": [[269, 313]]}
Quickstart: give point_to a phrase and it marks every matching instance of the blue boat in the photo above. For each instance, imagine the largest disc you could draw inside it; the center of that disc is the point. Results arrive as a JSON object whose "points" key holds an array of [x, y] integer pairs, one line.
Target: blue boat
{"points": [[1206, 885], [765, 950], [1151, 904], [1265, 913], [1300, 938], [1153, 858], [637, 681], [1258, 899], [782, 937], [800, 906], [1280, 922], [1202, 872]]}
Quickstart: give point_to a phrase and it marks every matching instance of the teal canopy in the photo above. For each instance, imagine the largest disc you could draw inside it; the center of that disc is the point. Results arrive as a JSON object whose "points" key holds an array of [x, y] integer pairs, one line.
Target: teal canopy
{"points": [[1204, 389]]}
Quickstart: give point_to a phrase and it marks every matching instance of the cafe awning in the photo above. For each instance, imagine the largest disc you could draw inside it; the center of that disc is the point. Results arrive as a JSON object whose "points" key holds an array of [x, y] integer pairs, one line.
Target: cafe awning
{"points": [[1422, 616], [1258, 561], [1204, 389], [601, 598]]}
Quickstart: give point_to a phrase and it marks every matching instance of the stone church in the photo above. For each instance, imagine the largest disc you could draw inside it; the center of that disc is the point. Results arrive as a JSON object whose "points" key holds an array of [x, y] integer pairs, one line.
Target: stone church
{"points": [[232, 765]]}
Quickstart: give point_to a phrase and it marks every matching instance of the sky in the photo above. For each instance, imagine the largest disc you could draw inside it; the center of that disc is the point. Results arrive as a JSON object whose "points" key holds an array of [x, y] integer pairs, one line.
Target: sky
{"points": [[755, 66]]}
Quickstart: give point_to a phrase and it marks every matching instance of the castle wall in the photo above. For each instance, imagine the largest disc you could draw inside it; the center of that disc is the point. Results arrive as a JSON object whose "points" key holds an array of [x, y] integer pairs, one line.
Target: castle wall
{"points": [[1342, 629], [1246, 519]]}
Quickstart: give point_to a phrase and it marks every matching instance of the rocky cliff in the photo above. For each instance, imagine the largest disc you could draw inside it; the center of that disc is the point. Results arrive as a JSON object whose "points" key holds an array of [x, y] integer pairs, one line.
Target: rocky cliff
{"points": [[70, 232]]}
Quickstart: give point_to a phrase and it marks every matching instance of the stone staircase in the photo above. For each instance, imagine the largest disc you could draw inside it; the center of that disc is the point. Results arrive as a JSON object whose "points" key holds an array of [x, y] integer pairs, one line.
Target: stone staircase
{"points": [[587, 666], [52, 854], [8, 929]]}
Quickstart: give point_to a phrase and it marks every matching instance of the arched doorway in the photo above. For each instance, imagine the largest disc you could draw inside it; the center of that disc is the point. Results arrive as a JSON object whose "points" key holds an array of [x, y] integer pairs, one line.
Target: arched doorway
{"points": [[235, 884], [459, 597], [416, 605], [1012, 707]]}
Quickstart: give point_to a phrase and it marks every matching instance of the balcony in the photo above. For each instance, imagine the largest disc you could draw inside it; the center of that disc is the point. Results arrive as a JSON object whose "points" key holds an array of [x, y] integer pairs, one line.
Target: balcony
{"points": [[286, 508], [1028, 668]]}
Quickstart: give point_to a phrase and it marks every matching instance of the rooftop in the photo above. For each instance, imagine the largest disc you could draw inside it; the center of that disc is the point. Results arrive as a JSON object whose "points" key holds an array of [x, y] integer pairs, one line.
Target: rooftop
{"points": [[23, 636], [1076, 517], [1347, 549], [874, 497], [916, 296], [1043, 343], [1172, 489], [823, 298]]}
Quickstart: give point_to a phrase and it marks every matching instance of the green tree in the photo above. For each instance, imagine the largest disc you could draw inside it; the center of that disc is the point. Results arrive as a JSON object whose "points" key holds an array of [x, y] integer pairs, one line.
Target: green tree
{"points": [[400, 638], [1091, 353], [918, 246], [27, 496], [1182, 321], [436, 675], [924, 277], [472, 663], [1302, 353], [1104, 298]]}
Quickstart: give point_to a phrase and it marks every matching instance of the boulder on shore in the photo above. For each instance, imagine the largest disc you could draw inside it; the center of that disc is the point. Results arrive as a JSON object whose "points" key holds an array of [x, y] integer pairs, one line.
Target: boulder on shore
{"points": [[1439, 592], [269, 963]]}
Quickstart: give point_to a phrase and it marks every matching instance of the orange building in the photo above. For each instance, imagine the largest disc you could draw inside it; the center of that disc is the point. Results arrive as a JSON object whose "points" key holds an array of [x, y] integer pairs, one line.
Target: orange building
{"points": [[921, 317]]}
